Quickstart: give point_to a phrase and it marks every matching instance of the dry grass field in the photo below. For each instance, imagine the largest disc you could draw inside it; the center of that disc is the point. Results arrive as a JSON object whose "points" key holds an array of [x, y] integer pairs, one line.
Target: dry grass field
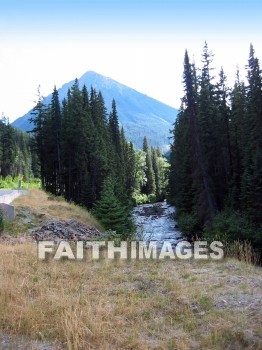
{"points": [[123, 305]]}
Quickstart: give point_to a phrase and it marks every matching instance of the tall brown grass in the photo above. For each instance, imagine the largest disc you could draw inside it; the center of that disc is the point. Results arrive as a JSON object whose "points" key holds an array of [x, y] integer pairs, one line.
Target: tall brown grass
{"points": [[243, 251], [125, 305], [119, 304]]}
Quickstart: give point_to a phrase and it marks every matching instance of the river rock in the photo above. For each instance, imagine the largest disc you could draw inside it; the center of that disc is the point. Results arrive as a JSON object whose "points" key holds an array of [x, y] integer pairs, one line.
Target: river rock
{"points": [[56, 230]]}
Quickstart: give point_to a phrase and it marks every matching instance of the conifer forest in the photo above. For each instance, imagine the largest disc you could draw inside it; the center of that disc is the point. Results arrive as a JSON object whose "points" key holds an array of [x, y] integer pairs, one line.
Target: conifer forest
{"points": [[213, 173], [85, 157], [215, 177]]}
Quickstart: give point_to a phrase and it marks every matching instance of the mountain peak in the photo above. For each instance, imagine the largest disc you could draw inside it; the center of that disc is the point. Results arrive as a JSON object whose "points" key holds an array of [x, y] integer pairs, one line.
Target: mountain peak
{"points": [[100, 80], [139, 114]]}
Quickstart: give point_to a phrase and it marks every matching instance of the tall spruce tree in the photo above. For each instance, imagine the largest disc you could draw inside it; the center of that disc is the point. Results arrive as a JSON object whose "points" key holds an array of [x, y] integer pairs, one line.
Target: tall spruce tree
{"points": [[181, 189], [150, 186], [223, 153], [237, 139], [39, 115], [199, 136], [252, 175], [52, 139]]}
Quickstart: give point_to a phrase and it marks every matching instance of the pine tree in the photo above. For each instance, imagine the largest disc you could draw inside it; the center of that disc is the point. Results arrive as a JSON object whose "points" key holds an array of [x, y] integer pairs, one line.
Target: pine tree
{"points": [[56, 133], [116, 141], [181, 190], [237, 128], [87, 197], [130, 167], [38, 119], [8, 150], [109, 210], [206, 116], [15, 152], [75, 139], [199, 120], [150, 186], [52, 140], [216, 155], [251, 179], [222, 150], [114, 128], [155, 166], [101, 146]]}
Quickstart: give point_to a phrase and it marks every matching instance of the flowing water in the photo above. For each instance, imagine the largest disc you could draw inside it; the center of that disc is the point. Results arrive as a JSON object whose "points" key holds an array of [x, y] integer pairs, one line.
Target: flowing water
{"points": [[155, 222]]}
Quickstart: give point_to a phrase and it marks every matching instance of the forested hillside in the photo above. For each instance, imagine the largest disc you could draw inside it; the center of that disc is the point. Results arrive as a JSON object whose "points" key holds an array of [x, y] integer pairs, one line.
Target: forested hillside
{"points": [[85, 157], [216, 159], [16, 154], [139, 114]]}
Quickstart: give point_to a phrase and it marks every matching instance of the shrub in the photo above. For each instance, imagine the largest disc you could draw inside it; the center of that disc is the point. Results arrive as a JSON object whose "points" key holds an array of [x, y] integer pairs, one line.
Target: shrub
{"points": [[113, 236], [9, 182], [152, 198], [229, 225], [140, 198], [189, 225]]}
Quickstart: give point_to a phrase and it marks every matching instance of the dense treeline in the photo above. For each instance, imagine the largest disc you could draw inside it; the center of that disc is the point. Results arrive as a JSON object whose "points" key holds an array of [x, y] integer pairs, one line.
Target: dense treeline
{"points": [[85, 157], [154, 174], [216, 156], [16, 155]]}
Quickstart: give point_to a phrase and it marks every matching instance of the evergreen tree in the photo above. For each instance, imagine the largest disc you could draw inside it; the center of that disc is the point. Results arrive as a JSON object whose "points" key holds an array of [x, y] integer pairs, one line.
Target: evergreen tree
{"points": [[38, 119], [52, 139], [130, 174], [56, 133], [109, 210], [199, 120], [160, 168], [118, 142], [181, 190], [150, 186], [223, 152], [8, 150], [16, 156], [114, 129], [237, 128], [216, 155], [251, 179], [101, 147]]}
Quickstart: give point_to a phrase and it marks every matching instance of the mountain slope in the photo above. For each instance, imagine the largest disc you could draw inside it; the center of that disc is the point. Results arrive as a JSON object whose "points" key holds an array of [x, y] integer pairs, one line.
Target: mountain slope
{"points": [[139, 114]]}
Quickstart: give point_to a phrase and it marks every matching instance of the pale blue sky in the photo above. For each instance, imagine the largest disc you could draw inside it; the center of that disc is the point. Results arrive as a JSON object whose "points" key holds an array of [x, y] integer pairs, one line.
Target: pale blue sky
{"points": [[139, 43], [73, 16]]}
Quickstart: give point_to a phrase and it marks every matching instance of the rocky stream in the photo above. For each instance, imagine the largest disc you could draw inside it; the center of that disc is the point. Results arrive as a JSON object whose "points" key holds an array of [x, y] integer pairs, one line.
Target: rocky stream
{"points": [[155, 222]]}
